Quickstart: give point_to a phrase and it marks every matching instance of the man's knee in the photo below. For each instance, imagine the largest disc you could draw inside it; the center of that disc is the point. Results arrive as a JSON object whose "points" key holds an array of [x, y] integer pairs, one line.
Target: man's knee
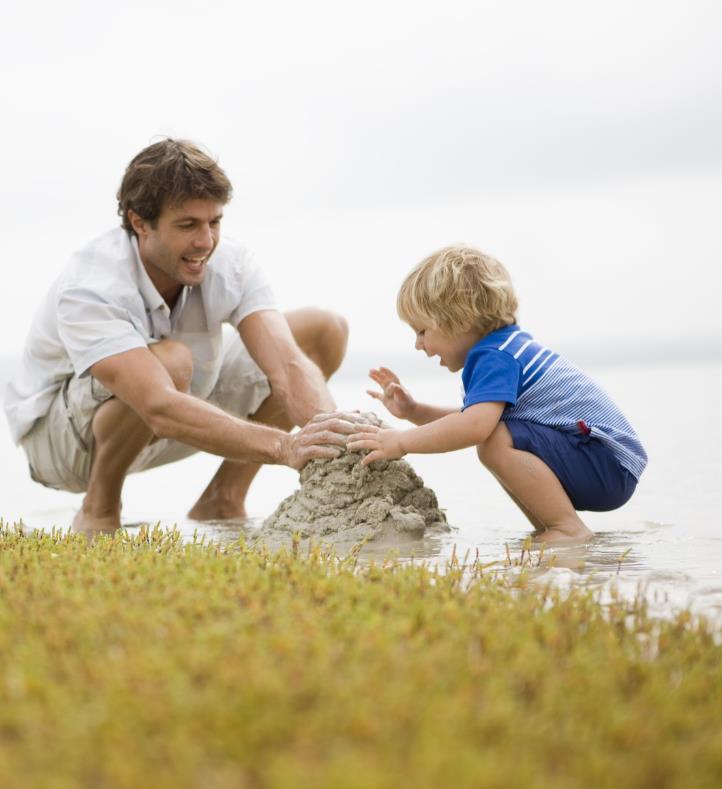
{"points": [[177, 359], [334, 337], [322, 335]]}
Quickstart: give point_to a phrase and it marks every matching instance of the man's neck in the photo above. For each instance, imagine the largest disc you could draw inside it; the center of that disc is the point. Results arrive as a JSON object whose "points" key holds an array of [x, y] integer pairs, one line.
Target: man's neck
{"points": [[167, 287]]}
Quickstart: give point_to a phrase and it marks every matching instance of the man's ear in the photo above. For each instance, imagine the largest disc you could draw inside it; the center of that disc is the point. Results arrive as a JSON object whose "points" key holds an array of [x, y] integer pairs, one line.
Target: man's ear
{"points": [[137, 222]]}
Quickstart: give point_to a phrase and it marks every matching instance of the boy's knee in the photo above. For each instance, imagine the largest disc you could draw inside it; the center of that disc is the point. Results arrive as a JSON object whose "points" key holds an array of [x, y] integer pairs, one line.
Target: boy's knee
{"points": [[492, 451], [177, 359]]}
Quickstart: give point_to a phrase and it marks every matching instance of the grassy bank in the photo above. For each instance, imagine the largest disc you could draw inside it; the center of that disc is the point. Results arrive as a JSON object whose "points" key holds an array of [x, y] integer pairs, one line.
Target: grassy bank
{"points": [[144, 662]]}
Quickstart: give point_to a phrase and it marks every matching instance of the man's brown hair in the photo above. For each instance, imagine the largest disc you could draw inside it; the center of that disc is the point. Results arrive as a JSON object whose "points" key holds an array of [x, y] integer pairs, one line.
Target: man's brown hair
{"points": [[170, 171]]}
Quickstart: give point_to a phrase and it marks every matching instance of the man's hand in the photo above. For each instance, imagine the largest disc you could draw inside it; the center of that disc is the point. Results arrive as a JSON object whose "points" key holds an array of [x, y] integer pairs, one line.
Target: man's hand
{"points": [[394, 396], [382, 443], [323, 436]]}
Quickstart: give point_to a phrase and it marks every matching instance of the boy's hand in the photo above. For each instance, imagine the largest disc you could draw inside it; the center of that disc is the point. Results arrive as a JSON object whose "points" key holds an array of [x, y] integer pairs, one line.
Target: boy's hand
{"points": [[382, 443], [395, 398]]}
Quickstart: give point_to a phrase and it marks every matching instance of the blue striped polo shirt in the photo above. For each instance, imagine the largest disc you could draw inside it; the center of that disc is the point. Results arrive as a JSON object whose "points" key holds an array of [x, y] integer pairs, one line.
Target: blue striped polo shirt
{"points": [[539, 385]]}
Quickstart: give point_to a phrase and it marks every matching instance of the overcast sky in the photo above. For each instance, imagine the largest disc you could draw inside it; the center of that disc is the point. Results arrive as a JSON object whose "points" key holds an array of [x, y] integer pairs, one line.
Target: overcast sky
{"points": [[579, 142]]}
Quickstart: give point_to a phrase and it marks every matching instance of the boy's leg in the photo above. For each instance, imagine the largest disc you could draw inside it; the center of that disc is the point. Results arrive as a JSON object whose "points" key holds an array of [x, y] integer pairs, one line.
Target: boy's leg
{"points": [[119, 435], [322, 336], [534, 487]]}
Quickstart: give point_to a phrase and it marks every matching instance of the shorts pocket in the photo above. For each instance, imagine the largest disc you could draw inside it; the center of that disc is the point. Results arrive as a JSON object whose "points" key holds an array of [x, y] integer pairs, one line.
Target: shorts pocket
{"points": [[98, 392], [72, 421]]}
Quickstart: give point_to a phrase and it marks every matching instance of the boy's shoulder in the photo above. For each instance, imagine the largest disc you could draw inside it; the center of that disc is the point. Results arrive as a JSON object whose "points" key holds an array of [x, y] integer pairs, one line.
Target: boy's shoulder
{"points": [[490, 350], [502, 339]]}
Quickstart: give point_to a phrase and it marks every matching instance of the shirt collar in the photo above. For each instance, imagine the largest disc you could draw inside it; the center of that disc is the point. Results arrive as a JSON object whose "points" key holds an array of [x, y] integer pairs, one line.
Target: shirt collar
{"points": [[153, 300], [151, 297]]}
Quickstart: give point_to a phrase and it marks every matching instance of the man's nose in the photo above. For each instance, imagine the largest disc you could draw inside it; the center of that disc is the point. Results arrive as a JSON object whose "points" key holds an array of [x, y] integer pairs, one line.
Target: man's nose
{"points": [[204, 238], [419, 345]]}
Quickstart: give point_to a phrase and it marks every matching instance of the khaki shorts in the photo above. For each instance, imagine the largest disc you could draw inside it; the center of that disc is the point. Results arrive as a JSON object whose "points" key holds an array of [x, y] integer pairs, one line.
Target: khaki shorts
{"points": [[60, 445]]}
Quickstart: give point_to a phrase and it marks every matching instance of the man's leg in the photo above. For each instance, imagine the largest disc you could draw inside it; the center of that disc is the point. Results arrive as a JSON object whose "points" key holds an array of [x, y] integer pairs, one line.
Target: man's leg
{"points": [[322, 336], [534, 487], [119, 435]]}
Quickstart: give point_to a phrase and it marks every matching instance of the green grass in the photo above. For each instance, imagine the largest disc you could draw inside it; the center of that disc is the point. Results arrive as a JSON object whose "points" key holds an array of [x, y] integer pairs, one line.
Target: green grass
{"points": [[144, 662]]}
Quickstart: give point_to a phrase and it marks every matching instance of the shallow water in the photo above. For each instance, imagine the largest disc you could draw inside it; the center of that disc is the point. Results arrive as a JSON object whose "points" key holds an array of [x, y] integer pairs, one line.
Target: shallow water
{"points": [[666, 541]]}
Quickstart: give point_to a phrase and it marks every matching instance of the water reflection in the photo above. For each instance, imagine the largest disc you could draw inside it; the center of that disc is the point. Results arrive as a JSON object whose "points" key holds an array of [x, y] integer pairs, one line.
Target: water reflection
{"points": [[670, 567]]}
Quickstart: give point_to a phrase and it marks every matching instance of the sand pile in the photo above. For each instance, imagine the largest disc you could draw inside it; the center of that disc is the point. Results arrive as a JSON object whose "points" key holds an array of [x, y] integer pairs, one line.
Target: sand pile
{"points": [[340, 499]]}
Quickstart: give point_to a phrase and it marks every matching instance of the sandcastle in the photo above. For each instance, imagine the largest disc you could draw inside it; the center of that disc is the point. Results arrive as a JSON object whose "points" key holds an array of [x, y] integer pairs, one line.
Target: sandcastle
{"points": [[340, 499]]}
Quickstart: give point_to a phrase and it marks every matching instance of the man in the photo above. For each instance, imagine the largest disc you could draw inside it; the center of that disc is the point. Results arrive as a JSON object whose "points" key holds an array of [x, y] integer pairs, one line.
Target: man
{"points": [[126, 366]]}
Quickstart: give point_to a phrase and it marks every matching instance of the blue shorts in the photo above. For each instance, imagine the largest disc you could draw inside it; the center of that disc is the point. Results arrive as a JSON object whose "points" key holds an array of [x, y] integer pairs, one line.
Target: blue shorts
{"points": [[589, 472]]}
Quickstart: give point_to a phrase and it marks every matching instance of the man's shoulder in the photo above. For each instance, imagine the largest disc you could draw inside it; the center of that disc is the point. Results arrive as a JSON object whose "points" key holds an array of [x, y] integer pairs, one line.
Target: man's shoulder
{"points": [[230, 256], [104, 253]]}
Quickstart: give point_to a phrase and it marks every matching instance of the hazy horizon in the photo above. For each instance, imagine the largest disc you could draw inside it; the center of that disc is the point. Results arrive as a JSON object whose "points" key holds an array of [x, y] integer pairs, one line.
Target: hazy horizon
{"points": [[579, 143]]}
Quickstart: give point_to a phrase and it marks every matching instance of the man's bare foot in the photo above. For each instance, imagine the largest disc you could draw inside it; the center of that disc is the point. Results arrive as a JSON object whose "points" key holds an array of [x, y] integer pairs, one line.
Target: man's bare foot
{"points": [[90, 525], [217, 508]]}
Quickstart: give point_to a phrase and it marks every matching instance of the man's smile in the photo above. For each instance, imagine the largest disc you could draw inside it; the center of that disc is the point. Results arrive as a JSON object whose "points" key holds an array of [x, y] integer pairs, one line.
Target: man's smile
{"points": [[195, 263]]}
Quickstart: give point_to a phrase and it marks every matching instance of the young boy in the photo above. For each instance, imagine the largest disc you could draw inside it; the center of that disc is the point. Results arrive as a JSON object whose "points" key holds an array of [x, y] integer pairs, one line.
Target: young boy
{"points": [[547, 432]]}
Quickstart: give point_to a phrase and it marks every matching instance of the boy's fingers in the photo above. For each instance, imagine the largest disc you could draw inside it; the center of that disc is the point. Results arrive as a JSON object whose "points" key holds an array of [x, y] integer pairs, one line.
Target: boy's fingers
{"points": [[390, 374], [367, 431], [376, 395], [382, 375], [362, 442]]}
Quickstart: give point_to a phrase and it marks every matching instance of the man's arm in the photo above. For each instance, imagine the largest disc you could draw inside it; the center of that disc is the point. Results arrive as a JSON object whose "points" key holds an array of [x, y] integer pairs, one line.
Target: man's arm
{"points": [[295, 380], [139, 379], [454, 431]]}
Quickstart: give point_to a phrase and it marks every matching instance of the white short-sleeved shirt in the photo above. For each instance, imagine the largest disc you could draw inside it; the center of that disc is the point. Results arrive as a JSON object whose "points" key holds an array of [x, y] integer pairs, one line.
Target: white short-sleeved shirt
{"points": [[104, 303]]}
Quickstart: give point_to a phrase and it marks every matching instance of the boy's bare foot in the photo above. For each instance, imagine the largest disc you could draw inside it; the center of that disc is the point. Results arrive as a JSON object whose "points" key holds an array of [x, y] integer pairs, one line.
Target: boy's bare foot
{"points": [[571, 534]]}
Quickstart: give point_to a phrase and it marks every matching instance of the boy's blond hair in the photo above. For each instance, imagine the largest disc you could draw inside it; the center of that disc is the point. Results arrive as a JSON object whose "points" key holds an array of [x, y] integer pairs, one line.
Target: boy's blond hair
{"points": [[458, 289]]}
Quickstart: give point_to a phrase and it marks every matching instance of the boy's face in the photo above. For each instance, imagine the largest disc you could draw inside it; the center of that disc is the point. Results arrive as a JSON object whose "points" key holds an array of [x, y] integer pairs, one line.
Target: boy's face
{"points": [[451, 350]]}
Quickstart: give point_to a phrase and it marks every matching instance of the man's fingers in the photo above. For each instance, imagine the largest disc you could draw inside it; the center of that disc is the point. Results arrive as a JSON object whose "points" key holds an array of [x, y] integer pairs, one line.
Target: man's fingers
{"points": [[339, 422], [349, 416], [320, 451], [330, 437], [376, 395]]}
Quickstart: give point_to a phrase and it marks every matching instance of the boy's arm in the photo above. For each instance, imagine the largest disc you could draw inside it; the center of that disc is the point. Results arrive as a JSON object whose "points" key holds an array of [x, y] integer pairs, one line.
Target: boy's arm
{"points": [[423, 413], [398, 400], [453, 431]]}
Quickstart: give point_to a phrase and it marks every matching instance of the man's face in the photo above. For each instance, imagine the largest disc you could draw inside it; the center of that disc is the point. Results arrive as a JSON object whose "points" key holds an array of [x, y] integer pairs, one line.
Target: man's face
{"points": [[451, 350], [176, 251]]}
